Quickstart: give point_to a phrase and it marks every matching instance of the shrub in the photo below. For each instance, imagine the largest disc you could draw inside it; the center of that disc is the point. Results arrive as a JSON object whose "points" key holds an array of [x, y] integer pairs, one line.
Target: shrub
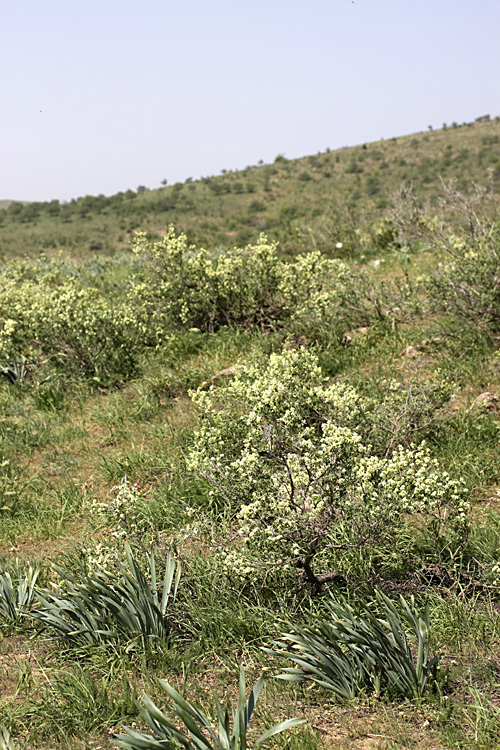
{"points": [[464, 228], [283, 451], [58, 317], [254, 285], [201, 731], [190, 287]]}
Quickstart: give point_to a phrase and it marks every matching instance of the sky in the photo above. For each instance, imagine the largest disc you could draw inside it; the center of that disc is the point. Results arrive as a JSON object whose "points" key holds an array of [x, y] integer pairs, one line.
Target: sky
{"points": [[106, 95]]}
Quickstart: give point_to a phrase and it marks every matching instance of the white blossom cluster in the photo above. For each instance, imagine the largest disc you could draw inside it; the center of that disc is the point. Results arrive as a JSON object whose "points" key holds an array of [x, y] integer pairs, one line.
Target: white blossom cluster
{"points": [[254, 284], [118, 521], [49, 314], [283, 449]]}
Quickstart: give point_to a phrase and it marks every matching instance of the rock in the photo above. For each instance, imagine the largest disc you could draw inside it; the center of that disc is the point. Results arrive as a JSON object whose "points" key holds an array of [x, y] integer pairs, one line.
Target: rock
{"points": [[228, 372], [350, 338], [410, 352], [426, 343], [486, 400]]}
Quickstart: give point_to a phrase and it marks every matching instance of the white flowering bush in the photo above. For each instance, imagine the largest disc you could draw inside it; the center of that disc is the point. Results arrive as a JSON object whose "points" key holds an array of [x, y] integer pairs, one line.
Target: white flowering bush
{"points": [[191, 287], [118, 522], [307, 492], [312, 295], [57, 318]]}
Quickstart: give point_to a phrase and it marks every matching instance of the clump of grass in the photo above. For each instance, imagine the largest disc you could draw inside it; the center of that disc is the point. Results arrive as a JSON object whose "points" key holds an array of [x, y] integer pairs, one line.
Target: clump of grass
{"points": [[72, 703], [351, 652], [217, 731], [108, 607]]}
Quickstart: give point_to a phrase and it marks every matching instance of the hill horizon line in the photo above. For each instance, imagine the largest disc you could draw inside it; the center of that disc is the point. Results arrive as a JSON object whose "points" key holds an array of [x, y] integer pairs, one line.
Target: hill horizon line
{"points": [[6, 202]]}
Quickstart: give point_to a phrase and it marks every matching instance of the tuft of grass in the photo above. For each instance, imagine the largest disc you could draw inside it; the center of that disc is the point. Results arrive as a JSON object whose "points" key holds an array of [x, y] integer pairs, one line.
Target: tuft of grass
{"points": [[217, 731], [108, 607]]}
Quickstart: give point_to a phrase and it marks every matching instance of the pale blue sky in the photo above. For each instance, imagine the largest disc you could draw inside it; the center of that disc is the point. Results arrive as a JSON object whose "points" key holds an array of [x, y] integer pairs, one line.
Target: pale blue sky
{"points": [[105, 95]]}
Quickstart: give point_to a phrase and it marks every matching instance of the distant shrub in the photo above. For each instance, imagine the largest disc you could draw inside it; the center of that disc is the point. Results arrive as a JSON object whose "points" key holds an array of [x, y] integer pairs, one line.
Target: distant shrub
{"points": [[466, 287], [289, 213], [372, 185], [50, 315], [253, 285], [256, 206], [308, 493], [354, 168]]}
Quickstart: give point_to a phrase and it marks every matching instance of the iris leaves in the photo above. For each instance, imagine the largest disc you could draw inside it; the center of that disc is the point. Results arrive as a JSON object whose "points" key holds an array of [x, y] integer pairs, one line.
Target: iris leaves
{"points": [[351, 652], [201, 731], [110, 607]]}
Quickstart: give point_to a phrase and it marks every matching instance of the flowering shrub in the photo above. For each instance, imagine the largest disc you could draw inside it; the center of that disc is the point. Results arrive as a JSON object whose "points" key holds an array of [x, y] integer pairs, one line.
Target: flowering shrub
{"points": [[55, 316], [191, 287], [312, 295], [307, 491], [119, 522]]}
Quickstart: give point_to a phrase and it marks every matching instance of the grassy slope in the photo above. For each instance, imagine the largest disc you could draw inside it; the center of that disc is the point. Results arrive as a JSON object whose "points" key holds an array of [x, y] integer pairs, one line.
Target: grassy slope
{"points": [[329, 193]]}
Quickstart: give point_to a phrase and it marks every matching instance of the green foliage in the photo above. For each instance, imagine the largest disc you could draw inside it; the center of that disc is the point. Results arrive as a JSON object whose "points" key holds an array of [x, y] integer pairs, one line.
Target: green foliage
{"points": [[353, 651], [466, 287], [101, 224], [218, 616], [311, 294], [105, 606], [15, 603], [223, 732], [192, 288], [72, 702], [284, 452], [6, 742], [291, 479], [78, 702], [14, 371], [48, 315], [483, 719]]}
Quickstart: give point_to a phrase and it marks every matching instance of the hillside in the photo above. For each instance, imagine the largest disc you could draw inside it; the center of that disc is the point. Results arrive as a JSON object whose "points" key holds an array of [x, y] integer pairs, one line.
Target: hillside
{"points": [[313, 201], [222, 466]]}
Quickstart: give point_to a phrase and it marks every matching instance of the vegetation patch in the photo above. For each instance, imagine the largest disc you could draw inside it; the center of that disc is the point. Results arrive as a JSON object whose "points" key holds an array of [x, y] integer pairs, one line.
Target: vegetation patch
{"points": [[274, 460]]}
